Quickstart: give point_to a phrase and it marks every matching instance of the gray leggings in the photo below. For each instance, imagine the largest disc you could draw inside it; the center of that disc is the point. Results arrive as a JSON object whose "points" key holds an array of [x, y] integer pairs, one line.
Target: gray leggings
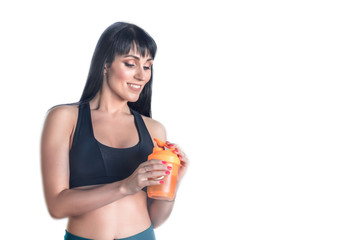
{"points": [[148, 234]]}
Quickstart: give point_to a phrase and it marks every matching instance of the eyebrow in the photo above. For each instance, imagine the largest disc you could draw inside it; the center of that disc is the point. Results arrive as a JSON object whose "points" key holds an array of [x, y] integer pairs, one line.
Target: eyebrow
{"points": [[136, 57]]}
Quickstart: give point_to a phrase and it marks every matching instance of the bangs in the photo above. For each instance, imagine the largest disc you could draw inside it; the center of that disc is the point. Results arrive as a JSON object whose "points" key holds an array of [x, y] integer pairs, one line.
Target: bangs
{"points": [[135, 39]]}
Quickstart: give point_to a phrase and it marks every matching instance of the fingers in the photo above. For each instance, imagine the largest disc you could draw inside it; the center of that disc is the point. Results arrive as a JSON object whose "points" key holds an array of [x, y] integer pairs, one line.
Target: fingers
{"points": [[157, 175], [153, 182], [153, 161], [152, 172], [171, 145], [178, 151], [176, 148], [152, 165], [148, 173]]}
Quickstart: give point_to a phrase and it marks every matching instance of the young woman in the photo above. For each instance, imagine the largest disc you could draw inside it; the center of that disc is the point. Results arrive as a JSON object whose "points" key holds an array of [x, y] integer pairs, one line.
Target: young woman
{"points": [[94, 152]]}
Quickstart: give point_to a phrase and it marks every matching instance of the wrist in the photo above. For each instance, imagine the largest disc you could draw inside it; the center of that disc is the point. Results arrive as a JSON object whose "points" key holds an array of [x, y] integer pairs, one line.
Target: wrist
{"points": [[122, 189]]}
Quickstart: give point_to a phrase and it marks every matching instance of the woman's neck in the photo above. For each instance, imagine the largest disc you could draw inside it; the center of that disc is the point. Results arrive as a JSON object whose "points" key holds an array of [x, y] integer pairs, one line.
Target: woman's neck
{"points": [[106, 103]]}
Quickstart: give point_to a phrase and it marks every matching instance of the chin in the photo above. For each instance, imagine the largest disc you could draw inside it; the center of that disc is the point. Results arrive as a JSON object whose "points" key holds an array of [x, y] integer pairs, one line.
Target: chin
{"points": [[133, 99]]}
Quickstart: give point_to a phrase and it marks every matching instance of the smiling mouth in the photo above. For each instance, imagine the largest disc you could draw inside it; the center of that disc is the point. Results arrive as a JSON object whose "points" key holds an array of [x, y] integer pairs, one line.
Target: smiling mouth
{"points": [[135, 86]]}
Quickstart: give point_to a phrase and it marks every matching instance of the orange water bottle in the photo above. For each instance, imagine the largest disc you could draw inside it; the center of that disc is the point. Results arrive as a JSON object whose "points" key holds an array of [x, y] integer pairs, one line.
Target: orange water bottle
{"points": [[166, 190]]}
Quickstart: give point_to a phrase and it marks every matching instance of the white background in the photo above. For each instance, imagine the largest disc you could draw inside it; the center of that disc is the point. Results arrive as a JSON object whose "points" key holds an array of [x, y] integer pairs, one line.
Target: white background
{"points": [[263, 96]]}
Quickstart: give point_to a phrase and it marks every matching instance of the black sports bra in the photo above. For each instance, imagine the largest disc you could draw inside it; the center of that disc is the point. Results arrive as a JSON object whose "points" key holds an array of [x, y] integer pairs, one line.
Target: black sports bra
{"points": [[92, 162]]}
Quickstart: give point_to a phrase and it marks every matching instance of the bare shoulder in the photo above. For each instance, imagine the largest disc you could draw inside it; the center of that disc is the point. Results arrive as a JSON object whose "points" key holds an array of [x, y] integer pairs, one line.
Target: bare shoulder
{"points": [[64, 113], [62, 117], [155, 128]]}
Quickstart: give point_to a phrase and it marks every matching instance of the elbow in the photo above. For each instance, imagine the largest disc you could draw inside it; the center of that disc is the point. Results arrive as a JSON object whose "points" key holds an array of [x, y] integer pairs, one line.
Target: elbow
{"points": [[56, 208], [56, 212], [155, 224]]}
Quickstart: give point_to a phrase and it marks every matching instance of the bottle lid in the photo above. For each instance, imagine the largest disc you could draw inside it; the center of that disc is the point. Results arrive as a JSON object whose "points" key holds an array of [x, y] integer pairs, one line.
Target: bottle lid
{"points": [[162, 154], [157, 149]]}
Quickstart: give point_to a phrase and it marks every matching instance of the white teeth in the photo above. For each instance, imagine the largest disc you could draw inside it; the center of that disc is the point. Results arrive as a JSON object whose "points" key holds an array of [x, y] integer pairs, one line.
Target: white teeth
{"points": [[134, 86]]}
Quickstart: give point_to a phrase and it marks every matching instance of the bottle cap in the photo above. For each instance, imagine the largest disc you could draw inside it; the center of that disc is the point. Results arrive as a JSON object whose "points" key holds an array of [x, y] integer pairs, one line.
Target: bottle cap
{"points": [[162, 154]]}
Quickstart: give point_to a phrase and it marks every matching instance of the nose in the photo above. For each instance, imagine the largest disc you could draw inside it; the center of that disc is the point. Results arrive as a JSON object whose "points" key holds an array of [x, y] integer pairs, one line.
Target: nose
{"points": [[140, 74]]}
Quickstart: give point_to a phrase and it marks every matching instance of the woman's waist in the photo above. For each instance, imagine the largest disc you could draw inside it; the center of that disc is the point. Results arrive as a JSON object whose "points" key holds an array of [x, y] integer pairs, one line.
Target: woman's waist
{"points": [[108, 231], [124, 217]]}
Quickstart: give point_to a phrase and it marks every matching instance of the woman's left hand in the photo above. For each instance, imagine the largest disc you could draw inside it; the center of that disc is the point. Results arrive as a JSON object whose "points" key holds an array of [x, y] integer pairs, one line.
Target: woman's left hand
{"points": [[184, 160]]}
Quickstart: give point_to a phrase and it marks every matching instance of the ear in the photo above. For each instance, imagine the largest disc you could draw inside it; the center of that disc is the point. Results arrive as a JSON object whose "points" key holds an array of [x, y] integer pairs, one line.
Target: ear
{"points": [[105, 68]]}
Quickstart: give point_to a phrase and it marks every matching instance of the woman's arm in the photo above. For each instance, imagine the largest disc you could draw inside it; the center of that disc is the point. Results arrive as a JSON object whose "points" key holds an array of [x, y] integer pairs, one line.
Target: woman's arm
{"points": [[160, 210], [55, 143], [74, 202], [64, 202]]}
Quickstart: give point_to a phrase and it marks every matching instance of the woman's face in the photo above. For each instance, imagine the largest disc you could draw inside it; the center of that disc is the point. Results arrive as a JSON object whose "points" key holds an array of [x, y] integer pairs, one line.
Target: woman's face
{"points": [[128, 74]]}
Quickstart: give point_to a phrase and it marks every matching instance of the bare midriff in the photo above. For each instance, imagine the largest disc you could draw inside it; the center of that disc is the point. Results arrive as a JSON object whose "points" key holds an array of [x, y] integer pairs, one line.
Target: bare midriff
{"points": [[120, 219]]}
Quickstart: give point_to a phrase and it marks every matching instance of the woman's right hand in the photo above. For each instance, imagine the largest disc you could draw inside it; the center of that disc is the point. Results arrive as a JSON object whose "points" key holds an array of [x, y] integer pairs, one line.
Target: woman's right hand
{"points": [[145, 175]]}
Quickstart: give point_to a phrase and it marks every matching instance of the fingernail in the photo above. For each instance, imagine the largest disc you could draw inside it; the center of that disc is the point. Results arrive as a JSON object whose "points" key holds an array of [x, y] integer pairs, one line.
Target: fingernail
{"points": [[161, 182], [180, 157], [169, 167], [164, 162], [167, 172], [171, 145]]}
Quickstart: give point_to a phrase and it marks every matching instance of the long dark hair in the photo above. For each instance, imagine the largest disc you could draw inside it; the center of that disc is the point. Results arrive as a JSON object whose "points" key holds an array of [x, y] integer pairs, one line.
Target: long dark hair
{"points": [[118, 39]]}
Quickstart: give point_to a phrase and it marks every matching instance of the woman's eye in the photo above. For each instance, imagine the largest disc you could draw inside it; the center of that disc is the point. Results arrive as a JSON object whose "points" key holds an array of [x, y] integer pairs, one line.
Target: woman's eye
{"points": [[147, 68], [128, 64]]}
